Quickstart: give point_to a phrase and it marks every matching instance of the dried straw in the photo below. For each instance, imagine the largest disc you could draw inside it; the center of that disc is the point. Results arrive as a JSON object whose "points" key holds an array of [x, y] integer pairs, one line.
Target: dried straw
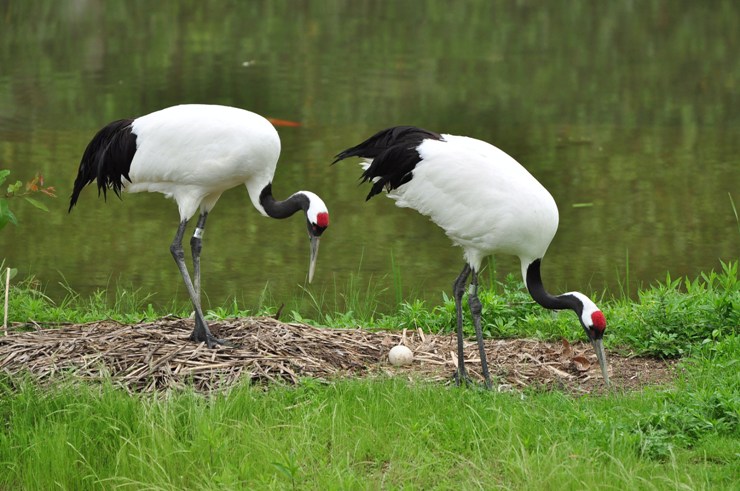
{"points": [[157, 356]]}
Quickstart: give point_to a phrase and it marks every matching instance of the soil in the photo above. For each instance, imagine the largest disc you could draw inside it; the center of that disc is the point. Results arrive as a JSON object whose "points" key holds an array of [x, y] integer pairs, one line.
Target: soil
{"points": [[157, 356]]}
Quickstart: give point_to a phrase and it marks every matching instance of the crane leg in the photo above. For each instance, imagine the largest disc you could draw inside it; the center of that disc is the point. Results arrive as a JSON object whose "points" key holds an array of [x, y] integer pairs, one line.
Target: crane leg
{"points": [[196, 245], [458, 289], [475, 310], [201, 333]]}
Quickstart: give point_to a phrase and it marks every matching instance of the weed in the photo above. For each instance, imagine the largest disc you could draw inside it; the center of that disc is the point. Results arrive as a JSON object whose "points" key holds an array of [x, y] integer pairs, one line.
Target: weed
{"points": [[19, 190], [675, 315], [734, 211]]}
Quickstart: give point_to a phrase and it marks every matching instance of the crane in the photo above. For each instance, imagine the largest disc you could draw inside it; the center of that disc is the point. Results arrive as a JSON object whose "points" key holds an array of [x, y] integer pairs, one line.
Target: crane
{"points": [[487, 203], [192, 153]]}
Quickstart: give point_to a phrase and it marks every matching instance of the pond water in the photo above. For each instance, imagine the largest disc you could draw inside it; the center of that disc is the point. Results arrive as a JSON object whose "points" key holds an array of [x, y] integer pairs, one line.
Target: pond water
{"points": [[628, 112]]}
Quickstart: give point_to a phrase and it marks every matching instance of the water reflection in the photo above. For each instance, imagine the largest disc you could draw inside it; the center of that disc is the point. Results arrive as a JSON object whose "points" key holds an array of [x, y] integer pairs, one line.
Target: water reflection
{"points": [[627, 106]]}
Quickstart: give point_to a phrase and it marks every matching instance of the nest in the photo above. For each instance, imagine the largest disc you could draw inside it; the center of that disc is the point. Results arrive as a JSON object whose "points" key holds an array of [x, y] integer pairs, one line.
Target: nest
{"points": [[158, 356]]}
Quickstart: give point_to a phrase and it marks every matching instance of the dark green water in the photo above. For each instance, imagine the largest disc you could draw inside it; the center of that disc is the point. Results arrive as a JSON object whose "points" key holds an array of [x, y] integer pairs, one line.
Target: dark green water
{"points": [[630, 107]]}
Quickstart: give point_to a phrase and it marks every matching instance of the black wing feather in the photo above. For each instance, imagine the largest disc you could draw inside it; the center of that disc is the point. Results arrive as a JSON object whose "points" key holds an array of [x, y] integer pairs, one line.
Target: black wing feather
{"points": [[394, 156], [107, 158]]}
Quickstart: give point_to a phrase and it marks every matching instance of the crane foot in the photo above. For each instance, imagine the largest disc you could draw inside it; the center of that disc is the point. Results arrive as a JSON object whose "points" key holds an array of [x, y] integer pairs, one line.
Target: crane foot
{"points": [[201, 334], [468, 382], [462, 379], [210, 340]]}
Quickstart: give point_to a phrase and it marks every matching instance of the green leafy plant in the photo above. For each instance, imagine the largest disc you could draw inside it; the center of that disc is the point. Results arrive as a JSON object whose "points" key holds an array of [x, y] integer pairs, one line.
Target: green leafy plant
{"points": [[674, 316], [19, 190], [691, 411]]}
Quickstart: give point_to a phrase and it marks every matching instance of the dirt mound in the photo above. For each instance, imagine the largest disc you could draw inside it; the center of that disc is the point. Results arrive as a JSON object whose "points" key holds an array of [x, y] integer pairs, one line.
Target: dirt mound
{"points": [[157, 355]]}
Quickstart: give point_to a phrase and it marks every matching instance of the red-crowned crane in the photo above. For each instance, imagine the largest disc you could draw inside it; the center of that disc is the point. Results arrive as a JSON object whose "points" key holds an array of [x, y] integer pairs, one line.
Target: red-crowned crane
{"points": [[486, 202], [193, 153]]}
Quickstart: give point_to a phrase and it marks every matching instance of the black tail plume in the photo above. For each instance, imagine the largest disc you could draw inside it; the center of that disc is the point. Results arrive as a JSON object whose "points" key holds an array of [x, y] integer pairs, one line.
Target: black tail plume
{"points": [[107, 158], [394, 156]]}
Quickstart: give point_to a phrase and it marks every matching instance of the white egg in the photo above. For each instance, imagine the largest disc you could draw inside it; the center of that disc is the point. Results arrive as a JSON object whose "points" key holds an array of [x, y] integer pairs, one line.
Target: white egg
{"points": [[400, 355]]}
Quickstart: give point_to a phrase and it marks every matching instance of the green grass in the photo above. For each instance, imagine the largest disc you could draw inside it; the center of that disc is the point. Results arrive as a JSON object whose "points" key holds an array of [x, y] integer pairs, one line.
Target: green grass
{"points": [[370, 434], [391, 433]]}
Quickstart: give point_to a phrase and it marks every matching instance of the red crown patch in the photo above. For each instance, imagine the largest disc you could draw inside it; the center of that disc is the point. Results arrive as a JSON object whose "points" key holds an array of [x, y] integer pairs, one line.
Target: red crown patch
{"points": [[599, 320], [322, 219]]}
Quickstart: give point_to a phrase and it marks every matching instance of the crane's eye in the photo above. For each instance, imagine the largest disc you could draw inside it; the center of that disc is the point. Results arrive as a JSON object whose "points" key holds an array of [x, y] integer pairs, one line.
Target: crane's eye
{"points": [[316, 229]]}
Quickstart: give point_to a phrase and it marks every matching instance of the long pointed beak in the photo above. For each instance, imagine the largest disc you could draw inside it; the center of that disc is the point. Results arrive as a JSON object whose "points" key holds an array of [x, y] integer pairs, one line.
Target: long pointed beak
{"points": [[599, 349], [314, 255]]}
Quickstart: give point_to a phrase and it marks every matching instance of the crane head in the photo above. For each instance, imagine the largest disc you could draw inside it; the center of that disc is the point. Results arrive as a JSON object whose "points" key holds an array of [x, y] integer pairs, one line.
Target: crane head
{"points": [[594, 323], [317, 215], [317, 220], [596, 334]]}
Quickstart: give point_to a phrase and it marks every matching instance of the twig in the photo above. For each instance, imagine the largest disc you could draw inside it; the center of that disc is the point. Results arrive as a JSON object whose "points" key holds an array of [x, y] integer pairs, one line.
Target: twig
{"points": [[157, 356], [7, 293]]}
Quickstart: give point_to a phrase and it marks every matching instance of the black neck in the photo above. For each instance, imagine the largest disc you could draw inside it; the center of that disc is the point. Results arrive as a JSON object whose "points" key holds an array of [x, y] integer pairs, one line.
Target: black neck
{"points": [[540, 295], [282, 209]]}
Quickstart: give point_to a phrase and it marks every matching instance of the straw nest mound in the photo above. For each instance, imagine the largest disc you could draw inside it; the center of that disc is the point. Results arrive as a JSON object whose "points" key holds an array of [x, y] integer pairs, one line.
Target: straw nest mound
{"points": [[157, 356]]}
